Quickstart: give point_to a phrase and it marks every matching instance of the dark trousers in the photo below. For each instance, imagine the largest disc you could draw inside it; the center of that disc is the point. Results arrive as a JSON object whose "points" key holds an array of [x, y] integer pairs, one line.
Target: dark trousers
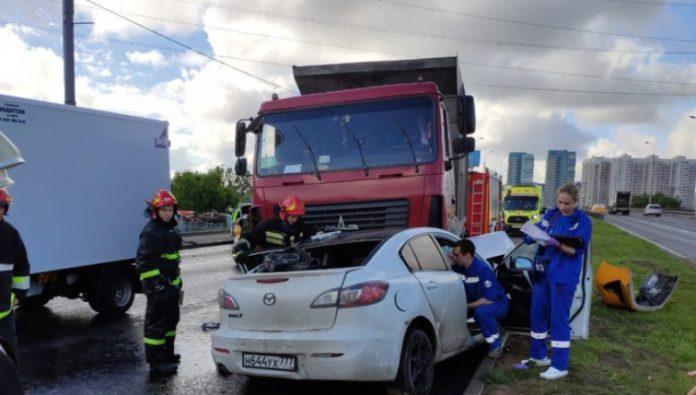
{"points": [[8, 334], [161, 318]]}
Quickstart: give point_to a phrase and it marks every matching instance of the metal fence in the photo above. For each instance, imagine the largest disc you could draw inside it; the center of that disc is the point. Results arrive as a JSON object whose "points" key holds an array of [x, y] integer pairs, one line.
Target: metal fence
{"points": [[188, 227]]}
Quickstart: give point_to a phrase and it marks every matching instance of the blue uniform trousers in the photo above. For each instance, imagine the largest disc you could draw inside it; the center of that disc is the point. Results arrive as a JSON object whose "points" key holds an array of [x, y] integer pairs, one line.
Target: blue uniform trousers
{"points": [[487, 316], [551, 305]]}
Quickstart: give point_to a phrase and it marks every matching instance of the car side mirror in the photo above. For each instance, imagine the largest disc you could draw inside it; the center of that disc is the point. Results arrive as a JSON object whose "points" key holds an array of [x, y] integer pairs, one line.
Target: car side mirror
{"points": [[240, 168], [240, 139], [463, 145], [521, 264], [466, 115]]}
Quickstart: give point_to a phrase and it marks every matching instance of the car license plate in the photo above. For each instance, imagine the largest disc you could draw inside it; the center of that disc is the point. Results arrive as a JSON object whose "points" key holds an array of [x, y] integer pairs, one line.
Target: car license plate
{"points": [[271, 362]]}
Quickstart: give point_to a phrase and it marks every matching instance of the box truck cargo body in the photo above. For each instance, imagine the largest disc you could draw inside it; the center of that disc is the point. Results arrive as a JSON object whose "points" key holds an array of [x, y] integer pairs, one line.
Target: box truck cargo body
{"points": [[79, 199]]}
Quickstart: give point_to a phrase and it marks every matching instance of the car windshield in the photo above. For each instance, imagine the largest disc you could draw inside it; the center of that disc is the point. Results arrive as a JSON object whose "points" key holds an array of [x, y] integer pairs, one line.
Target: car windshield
{"points": [[353, 136], [654, 206], [521, 203]]}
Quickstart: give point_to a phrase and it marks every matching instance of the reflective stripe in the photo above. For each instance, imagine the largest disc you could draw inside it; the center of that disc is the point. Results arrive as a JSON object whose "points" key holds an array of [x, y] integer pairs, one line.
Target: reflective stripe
{"points": [[20, 282], [471, 280], [155, 342], [171, 257], [6, 267], [170, 334], [177, 281], [491, 339], [7, 312], [148, 274], [560, 344], [539, 335]]}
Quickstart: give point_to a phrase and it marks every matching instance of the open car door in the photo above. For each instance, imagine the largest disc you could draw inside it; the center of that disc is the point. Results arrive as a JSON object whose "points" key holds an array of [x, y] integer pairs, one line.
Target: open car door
{"points": [[514, 274]]}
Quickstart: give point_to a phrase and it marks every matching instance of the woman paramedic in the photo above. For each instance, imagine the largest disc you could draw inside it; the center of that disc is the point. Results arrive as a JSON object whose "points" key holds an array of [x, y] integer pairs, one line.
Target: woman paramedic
{"points": [[557, 269]]}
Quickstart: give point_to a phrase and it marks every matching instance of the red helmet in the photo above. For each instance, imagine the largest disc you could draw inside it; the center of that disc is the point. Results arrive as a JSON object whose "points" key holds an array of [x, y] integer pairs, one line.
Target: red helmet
{"points": [[5, 199], [163, 198], [291, 205]]}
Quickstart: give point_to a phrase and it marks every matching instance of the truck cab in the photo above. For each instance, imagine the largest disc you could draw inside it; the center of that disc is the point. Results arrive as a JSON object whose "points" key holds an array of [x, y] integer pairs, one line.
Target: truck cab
{"points": [[522, 203], [376, 145]]}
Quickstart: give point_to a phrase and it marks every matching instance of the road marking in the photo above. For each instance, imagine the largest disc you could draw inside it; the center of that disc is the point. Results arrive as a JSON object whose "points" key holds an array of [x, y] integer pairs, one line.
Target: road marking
{"points": [[671, 251]]}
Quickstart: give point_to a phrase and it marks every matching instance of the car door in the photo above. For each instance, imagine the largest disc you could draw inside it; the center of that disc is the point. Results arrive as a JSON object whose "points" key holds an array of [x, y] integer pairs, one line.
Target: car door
{"points": [[443, 289], [515, 277]]}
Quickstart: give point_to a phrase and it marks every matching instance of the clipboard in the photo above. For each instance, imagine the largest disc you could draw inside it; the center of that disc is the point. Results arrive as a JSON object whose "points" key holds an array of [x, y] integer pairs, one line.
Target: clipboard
{"points": [[575, 242]]}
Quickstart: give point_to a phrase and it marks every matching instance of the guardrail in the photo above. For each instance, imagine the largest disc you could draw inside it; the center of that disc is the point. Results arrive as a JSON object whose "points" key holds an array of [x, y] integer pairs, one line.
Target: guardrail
{"points": [[680, 212], [202, 227]]}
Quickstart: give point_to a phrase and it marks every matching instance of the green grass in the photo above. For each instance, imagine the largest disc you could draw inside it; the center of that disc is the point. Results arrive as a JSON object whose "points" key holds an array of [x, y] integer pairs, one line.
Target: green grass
{"points": [[627, 352]]}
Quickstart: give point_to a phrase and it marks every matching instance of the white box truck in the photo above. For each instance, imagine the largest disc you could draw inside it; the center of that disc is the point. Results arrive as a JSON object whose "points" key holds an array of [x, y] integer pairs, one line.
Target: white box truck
{"points": [[79, 198]]}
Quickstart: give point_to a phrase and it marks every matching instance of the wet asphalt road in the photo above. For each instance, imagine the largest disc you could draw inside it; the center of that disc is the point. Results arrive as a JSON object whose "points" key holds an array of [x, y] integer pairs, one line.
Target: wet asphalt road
{"points": [[676, 233], [65, 348]]}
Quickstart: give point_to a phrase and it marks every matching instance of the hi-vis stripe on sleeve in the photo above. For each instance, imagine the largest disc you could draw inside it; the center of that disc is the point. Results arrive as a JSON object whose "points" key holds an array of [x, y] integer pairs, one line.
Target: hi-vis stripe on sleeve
{"points": [[20, 282]]}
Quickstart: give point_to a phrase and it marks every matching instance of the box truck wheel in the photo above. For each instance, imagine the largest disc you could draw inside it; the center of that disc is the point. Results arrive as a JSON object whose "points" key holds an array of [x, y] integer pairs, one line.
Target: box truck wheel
{"points": [[113, 294]]}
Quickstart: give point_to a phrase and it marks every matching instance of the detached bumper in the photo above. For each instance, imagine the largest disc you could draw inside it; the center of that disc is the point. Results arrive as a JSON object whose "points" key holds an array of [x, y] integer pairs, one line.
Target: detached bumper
{"points": [[332, 354]]}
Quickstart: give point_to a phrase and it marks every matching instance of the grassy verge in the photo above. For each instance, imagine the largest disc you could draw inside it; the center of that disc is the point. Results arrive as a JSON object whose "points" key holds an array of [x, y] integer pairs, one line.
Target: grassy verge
{"points": [[627, 352]]}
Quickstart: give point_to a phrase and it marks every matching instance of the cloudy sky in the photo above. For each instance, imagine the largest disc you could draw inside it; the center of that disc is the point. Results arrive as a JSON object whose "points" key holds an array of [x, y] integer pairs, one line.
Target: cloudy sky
{"points": [[600, 77]]}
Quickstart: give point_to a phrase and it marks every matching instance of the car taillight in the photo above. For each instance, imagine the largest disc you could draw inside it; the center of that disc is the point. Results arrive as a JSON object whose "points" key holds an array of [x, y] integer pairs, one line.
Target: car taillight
{"points": [[362, 294], [226, 301]]}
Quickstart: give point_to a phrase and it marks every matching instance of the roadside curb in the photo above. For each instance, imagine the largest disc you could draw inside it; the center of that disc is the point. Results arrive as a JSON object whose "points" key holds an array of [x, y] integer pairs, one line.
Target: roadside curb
{"points": [[671, 251], [477, 382]]}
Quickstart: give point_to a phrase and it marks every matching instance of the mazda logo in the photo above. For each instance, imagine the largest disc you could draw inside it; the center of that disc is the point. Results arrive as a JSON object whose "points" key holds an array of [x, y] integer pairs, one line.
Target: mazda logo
{"points": [[269, 299]]}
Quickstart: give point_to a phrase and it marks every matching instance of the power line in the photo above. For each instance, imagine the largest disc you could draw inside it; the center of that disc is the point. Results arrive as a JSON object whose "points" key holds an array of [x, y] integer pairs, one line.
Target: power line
{"points": [[464, 62], [381, 29], [179, 43], [533, 24], [531, 88]]}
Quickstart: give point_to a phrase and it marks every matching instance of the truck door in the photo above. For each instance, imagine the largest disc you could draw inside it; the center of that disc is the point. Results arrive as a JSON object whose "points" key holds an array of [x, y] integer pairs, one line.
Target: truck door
{"points": [[443, 289]]}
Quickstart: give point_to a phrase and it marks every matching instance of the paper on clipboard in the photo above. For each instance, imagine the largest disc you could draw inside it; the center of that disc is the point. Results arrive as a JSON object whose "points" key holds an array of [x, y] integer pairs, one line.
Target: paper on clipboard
{"points": [[535, 233]]}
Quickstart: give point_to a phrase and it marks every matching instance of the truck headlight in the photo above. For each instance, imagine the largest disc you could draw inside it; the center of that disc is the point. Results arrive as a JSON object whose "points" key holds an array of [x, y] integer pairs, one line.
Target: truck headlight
{"points": [[535, 217]]}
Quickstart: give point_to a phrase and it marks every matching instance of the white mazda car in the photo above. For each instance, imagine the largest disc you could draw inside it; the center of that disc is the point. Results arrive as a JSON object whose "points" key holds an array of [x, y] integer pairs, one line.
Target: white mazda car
{"points": [[361, 306]]}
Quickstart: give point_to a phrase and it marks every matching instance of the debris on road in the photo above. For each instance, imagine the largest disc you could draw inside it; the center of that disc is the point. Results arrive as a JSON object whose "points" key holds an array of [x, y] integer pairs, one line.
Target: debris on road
{"points": [[615, 285]]}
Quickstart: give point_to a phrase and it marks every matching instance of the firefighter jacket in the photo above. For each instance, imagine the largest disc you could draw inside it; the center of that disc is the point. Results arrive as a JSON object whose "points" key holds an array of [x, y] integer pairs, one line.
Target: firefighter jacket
{"points": [[275, 233], [158, 251], [14, 268]]}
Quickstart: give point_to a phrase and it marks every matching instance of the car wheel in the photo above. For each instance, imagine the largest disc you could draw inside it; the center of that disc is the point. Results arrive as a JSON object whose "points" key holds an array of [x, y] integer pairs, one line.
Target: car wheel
{"points": [[417, 365]]}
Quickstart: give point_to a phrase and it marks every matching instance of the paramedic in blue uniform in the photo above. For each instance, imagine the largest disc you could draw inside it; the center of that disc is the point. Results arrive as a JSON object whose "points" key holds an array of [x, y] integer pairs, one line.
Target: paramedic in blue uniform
{"points": [[484, 295], [556, 274]]}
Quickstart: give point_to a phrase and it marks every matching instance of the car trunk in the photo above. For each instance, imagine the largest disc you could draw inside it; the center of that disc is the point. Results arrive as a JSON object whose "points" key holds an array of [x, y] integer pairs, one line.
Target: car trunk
{"points": [[279, 294], [282, 301]]}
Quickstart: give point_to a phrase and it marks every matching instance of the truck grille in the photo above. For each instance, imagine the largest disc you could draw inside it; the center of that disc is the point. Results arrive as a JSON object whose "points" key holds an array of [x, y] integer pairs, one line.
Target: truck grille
{"points": [[366, 215], [517, 219]]}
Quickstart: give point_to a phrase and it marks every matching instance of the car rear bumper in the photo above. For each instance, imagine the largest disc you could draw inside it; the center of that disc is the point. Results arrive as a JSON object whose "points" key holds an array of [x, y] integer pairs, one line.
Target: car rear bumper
{"points": [[334, 354]]}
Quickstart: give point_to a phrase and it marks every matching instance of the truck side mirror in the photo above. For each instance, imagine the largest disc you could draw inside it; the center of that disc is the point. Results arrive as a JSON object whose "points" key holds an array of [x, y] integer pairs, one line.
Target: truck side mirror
{"points": [[463, 145], [240, 139], [466, 115], [240, 167]]}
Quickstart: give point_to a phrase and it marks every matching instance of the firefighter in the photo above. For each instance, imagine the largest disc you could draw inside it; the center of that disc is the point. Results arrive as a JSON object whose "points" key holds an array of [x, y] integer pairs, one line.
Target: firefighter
{"points": [[158, 266], [556, 275], [484, 294], [14, 273], [285, 230]]}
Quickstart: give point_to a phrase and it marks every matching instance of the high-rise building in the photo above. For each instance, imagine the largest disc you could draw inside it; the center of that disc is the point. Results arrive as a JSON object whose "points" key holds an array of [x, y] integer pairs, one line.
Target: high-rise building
{"points": [[595, 181], [560, 169], [672, 177], [520, 168]]}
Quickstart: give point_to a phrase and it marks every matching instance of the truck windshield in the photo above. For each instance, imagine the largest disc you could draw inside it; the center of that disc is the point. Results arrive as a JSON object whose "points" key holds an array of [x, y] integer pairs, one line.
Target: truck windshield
{"points": [[526, 203], [353, 136]]}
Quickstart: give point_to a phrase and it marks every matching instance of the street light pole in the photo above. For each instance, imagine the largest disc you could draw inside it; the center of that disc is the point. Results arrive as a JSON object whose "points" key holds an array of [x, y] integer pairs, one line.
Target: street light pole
{"points": [[652, 171]]}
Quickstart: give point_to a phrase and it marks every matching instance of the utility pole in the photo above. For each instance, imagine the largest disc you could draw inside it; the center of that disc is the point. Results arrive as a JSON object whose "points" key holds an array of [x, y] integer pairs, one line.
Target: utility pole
{"points": [[69, 52]]}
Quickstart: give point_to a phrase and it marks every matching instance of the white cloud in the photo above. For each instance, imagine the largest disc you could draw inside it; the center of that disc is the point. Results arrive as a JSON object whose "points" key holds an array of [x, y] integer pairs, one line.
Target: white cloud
{"points": [[152, 58], [682, 140]]}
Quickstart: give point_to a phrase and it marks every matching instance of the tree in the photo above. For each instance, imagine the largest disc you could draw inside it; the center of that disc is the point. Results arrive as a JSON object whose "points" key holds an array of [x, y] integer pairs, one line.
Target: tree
{"points": [[663, 200], [200, 192], [241, 185]]}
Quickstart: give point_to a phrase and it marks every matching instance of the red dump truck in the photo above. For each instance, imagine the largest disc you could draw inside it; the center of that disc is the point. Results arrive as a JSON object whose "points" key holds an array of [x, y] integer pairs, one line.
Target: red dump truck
{"points": [[375, 144]]}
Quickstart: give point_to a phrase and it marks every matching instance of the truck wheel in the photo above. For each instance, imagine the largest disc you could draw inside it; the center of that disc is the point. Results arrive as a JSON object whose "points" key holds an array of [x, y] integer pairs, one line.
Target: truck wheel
{"points": [[35, 302], [113, 294], [417, 365]]}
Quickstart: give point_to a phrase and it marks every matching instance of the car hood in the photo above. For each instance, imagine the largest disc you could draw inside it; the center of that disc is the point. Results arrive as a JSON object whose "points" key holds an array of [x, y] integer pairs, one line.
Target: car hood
{"points": [[491, 245]]}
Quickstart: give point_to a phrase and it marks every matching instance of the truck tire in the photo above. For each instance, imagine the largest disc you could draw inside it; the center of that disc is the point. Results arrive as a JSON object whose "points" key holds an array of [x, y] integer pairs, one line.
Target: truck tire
{"points": [[35, 302], [113, 294], [417, 364]]}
